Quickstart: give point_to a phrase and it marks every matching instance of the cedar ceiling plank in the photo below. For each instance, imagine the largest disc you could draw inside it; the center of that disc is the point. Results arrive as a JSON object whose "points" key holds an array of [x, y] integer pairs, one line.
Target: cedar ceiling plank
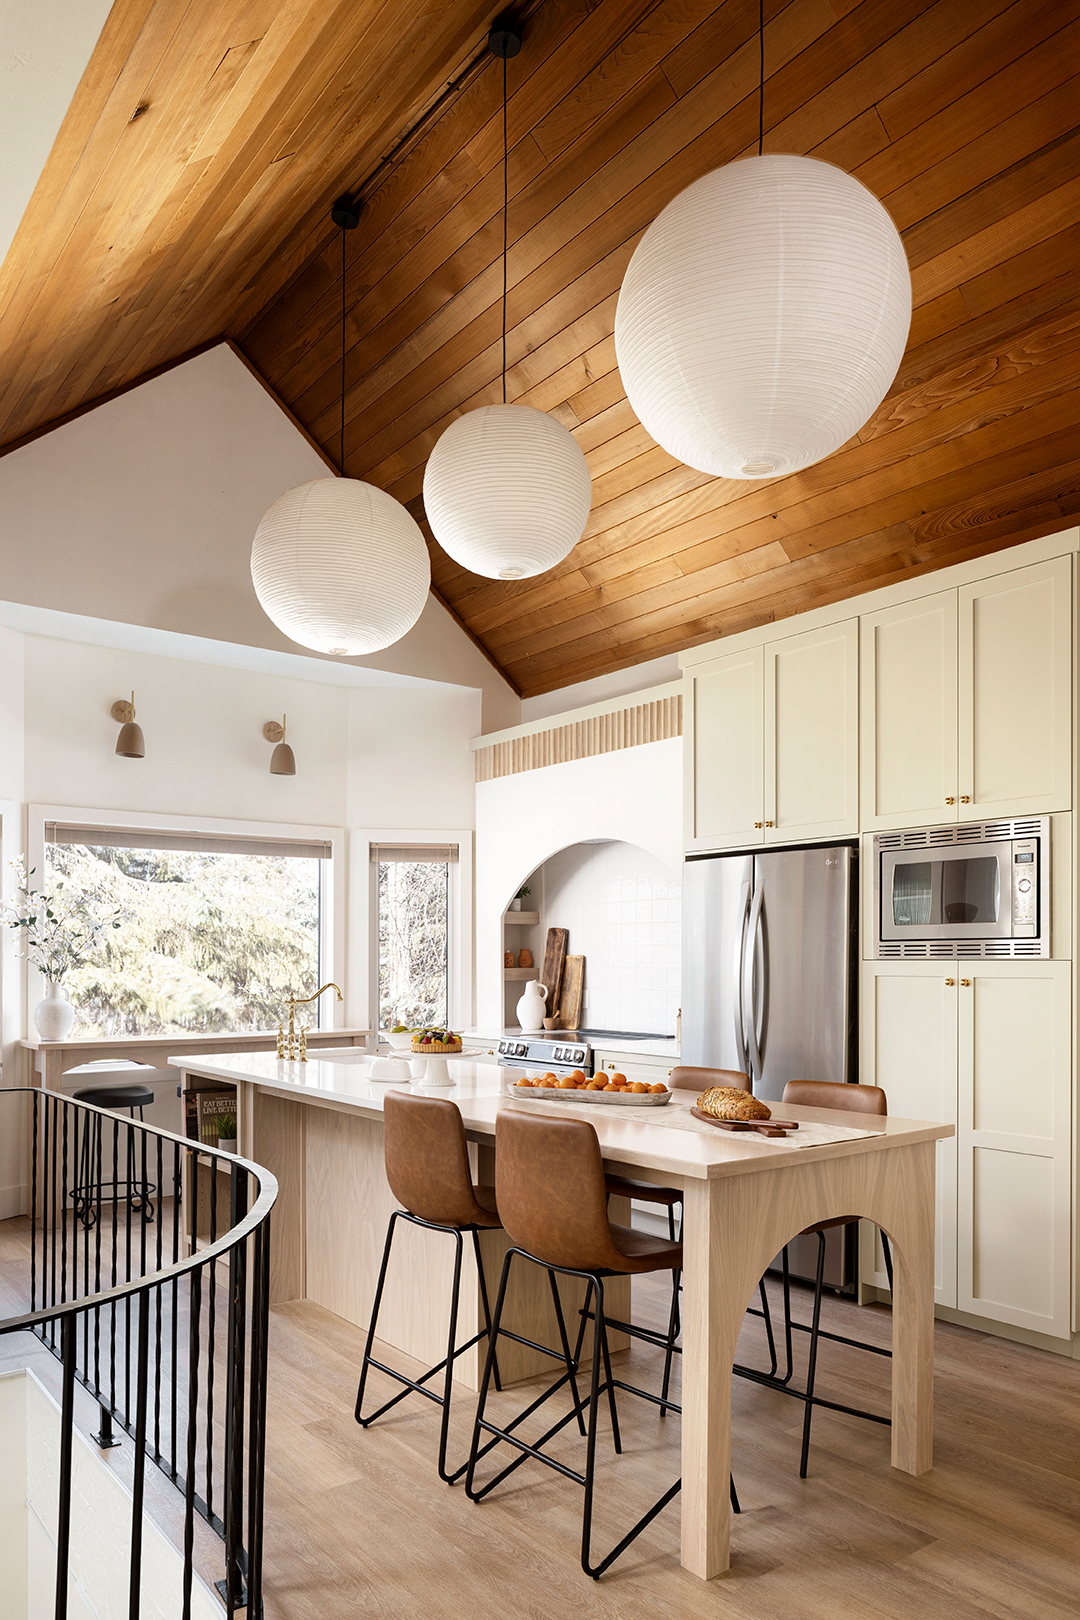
{"points": [[1027, 271], [1028, 227], [1005, 195], [709, 47], [970, 122], [1004, 36]]}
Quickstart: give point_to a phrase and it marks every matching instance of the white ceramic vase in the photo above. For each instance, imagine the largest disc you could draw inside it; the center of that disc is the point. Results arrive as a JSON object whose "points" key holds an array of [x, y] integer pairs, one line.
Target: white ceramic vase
{"points": [[54, 1016], [532, 1006]]}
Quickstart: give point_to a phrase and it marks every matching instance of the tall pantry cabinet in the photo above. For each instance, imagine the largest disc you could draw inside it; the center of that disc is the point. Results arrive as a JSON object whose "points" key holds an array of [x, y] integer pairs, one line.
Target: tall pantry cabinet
{"points": [[963, 704]]}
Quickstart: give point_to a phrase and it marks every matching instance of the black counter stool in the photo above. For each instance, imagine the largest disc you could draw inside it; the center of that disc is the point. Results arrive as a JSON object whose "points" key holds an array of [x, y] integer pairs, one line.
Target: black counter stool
{"points": [[851, 1099], [136, 1191], [427, 1166], [549, 1179], [683, 1078]]}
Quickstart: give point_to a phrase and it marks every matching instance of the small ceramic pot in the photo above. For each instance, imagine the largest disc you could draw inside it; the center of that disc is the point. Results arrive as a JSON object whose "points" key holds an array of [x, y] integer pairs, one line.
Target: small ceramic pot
{"points": [[227, 1144]]}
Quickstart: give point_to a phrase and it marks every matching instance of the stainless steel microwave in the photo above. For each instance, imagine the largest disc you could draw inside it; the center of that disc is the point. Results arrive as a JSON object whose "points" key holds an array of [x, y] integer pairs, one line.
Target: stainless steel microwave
{"points": [[967, 890]]}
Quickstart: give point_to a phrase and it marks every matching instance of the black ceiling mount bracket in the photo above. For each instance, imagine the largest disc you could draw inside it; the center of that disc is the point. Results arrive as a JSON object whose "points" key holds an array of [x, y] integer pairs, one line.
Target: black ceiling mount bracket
{"points": [[346, 214], [504, 39]]}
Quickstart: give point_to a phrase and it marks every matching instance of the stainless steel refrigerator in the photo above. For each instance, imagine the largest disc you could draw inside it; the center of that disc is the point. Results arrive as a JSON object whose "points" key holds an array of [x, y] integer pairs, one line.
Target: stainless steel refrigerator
{"points": [[770, 943]]}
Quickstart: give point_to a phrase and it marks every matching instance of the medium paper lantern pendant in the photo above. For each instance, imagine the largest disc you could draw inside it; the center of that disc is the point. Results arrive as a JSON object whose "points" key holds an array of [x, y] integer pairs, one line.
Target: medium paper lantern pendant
{"points": [[507, 491], [340, 566], [763, 316]]}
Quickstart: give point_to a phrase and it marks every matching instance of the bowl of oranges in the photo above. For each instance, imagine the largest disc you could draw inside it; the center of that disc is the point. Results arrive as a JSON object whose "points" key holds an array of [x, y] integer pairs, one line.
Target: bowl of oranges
{"points": [[577, 1086]]}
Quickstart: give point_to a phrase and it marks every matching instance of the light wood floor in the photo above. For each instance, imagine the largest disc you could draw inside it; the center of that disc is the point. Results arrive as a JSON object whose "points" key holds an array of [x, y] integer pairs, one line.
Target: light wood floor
{"points": [[358, 1523]]}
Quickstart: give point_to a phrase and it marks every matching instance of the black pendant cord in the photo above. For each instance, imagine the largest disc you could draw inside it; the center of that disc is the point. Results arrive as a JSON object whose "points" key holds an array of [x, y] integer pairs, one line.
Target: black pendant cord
{"points": [[506, 224], [761, 77]]}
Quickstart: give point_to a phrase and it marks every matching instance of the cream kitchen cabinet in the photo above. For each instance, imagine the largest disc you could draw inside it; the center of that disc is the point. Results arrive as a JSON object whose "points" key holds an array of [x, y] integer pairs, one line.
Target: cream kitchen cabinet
{"points": [[986, 1046], [1014, 649], [909, 713], [772, 744], [967, 701]]}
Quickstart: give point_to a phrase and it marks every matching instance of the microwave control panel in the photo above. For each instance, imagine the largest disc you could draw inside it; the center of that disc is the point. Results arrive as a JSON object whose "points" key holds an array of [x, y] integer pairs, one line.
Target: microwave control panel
{"points": [[1025, 885]]}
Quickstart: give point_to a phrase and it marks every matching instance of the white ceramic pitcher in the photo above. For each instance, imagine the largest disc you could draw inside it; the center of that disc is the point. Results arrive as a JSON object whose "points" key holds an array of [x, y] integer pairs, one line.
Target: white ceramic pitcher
{"points": [[532, 1007]]}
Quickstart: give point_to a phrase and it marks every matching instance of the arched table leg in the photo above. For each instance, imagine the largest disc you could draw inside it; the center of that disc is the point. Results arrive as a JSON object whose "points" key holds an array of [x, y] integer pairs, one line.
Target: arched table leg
{"points": [[733, 1225]]}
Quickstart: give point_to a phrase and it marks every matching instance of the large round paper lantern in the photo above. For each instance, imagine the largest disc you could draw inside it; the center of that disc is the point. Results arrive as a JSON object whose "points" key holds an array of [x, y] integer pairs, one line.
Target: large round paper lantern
{"points": [[763, 316], [507, 491], [340, 566]]}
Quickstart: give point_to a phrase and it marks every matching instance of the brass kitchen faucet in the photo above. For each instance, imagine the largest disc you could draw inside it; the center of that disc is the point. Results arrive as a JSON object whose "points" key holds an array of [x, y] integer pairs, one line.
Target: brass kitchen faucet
{"points": [[286, 1044]]}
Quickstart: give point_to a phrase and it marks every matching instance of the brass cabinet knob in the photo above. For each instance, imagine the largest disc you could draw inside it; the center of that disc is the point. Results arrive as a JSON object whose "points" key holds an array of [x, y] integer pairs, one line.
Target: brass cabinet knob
{"points": [[759, 823], [950, 981], [768, 824], [950, 801], [965, 798], [966, 983]]}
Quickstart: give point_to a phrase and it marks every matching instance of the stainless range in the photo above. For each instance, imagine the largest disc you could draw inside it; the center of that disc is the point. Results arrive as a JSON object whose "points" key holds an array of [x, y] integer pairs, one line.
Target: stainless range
{"points": [[557, 1050]]}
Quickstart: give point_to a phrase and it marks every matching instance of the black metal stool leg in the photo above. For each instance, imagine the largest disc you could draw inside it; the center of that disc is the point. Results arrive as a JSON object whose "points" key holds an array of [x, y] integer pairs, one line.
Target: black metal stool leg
{"points": [[767, 1314], [484, 1300], [364, 1365], [673, 1333], [448, 1381], [572, 1362], [811, 1371], [610, 1382], [886, 1250]]}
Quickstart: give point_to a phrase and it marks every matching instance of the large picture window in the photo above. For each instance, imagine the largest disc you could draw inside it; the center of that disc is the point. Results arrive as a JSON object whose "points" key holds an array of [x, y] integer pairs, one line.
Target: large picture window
{"points": [[215, 932], [414, 933]]}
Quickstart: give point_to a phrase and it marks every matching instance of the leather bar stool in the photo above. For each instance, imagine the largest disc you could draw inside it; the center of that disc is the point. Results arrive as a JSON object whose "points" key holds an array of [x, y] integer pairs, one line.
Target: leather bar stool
{"points": [[856, 1100], [549, 1178], [686, 1077], [90, 1194], [427, 1166]]}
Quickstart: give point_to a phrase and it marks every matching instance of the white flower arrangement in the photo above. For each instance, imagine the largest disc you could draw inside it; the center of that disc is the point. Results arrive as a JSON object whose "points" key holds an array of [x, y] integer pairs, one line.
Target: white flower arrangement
{"points": [[56, 933]]}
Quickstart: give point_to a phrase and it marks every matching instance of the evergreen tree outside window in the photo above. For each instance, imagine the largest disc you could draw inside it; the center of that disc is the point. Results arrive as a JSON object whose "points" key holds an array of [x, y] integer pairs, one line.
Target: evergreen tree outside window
{"points": [[213, 940], [414, 922]]}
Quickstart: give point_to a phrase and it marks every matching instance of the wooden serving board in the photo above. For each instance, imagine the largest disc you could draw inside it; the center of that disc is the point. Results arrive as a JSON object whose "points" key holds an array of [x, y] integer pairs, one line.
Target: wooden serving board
{"points": [[573, 991], [764, 1127], [554, 959]]}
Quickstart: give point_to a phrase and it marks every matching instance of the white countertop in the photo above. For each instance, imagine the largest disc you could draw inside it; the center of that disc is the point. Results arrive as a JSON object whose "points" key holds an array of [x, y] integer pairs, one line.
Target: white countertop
{"points": [[659, 1048], [480, 1090]]}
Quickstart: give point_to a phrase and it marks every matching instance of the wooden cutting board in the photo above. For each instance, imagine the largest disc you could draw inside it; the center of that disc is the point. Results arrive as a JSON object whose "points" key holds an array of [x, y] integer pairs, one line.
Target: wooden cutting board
{"points": [[573, 991], [554, 957]]}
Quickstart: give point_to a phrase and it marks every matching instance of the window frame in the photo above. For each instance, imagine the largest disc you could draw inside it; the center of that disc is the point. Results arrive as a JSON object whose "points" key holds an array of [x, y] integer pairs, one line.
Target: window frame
{"points": [[364, 920], [332, 883]]}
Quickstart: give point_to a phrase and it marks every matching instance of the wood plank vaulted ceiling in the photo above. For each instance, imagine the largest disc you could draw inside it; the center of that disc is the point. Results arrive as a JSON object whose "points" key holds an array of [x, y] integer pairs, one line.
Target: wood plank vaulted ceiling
{"points": [[207, 215]]}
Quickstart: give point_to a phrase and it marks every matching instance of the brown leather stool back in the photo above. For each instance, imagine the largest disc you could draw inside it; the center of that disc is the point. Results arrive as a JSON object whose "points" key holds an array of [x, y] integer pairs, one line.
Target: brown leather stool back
{"points": [[427, 1161], [549, 1184], [691, 1079], [835, 1094]]}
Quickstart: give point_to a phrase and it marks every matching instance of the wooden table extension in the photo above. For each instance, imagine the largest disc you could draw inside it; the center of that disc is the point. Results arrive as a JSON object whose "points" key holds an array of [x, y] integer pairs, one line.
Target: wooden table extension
{"points": [[744, 1197]]}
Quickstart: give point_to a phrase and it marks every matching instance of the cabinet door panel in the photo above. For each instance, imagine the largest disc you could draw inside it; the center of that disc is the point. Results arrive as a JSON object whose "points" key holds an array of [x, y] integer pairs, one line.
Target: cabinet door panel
{"points": [[812, 734], [908, 1020], [908, 694], [1015, 691], [724, 756], [1013, 1141]]}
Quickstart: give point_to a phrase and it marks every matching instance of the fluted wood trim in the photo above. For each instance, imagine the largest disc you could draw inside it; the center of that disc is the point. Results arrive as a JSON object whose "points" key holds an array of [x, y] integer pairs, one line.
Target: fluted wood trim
{"points": [[600, 734]]}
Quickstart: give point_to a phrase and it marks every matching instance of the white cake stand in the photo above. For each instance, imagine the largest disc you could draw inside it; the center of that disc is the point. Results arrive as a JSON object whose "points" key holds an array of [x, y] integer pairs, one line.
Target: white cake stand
{"points": [[435, 1071]]}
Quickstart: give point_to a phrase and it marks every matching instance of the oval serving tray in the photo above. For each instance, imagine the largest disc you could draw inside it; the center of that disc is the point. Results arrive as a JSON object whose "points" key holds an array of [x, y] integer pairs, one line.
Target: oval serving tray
{"points": [[633, 1099]]}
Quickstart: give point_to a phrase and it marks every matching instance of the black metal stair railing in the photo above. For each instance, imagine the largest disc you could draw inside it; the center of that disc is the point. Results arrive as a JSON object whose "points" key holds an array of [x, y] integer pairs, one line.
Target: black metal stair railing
{"points": [[147, 1274]]}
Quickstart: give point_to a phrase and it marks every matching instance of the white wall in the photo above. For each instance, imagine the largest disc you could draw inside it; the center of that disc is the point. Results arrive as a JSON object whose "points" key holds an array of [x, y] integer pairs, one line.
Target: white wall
{"points": [[634, 795], [623, 909], [144, 509]]}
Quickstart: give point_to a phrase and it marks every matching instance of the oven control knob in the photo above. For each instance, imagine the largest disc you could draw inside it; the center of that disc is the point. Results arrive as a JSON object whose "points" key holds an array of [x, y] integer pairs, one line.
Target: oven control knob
{"points": [[1024, 885]]}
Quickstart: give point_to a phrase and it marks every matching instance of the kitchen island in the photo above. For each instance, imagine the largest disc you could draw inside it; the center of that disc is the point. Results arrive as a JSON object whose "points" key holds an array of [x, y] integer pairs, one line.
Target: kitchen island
{"points": [[317, 1126]]}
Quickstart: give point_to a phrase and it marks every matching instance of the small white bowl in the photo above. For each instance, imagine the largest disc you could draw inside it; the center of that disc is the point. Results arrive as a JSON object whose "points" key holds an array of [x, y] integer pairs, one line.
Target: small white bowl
{"points": [[400, 1043]]}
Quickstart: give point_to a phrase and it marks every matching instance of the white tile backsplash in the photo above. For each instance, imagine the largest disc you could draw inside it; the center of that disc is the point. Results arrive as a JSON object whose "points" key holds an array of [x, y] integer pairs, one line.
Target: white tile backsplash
{"points": [[623, 908]]}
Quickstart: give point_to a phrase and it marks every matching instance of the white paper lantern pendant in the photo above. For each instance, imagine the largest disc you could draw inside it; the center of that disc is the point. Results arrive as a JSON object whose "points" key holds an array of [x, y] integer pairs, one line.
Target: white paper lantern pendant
{"points": [[339, 565], [507, 489]]}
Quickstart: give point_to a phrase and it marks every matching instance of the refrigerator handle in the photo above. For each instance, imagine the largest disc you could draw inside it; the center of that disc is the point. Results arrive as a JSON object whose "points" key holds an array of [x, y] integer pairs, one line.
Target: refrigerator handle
{"points": [[749, 954], [737, 998]]}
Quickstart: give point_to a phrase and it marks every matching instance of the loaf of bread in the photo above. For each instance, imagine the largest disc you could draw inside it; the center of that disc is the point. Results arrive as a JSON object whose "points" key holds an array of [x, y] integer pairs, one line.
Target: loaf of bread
{"points": [[728, 1102]]}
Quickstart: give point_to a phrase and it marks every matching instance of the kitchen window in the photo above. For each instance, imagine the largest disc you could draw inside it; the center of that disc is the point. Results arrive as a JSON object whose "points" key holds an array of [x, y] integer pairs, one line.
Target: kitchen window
{"points": [[413, 927], [216, 931]]}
